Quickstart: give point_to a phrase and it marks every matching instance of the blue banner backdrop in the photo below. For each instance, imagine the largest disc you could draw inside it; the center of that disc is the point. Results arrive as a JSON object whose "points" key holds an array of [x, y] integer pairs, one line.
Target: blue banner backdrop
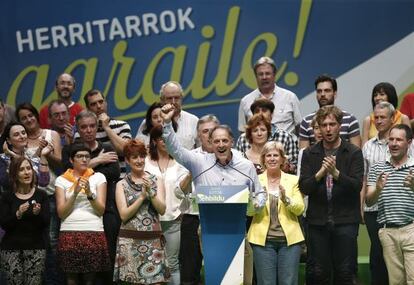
{"points": [[129, 48]]}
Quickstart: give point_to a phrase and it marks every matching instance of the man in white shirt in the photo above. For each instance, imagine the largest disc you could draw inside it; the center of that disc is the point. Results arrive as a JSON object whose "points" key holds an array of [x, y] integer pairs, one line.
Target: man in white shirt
{"points": [[172, 93], [286, 115], [190, 250]]}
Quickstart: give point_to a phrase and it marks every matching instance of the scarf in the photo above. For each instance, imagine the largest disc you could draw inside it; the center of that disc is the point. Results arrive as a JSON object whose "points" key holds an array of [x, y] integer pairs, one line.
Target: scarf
{"points": [[68, 175]]}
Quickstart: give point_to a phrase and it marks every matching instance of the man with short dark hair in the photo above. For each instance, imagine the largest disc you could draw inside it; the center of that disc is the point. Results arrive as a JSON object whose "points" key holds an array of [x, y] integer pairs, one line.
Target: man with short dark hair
{"points": [[391, 184], [326, 93], [331, 175], [109, 130], [287, 113], [59, 119], [65, 87]]}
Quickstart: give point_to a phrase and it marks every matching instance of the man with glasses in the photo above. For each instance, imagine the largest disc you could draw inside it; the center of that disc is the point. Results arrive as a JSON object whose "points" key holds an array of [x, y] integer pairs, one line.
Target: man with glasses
{"points": [[172, 93], [59, 120], [65, 87], [286, 115]]}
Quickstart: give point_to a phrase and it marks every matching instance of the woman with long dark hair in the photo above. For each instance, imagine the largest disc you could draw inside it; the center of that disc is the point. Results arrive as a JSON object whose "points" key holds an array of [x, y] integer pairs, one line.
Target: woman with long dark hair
{"points": [[152, 119], [14, 143], [383, 91], [24, 215], [174, 177]]}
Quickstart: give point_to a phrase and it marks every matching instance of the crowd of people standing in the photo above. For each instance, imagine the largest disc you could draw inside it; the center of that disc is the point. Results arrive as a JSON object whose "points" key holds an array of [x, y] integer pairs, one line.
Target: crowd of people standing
{"points": [[83, 202]]}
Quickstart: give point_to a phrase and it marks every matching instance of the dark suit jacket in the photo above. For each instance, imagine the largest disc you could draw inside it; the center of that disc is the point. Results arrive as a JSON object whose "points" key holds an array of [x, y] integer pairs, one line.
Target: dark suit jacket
{"points": [[345, 200]]}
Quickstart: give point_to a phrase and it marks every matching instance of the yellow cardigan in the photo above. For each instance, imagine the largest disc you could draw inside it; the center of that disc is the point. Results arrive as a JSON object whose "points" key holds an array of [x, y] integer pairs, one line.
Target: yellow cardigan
{"points": [[287, 214]]}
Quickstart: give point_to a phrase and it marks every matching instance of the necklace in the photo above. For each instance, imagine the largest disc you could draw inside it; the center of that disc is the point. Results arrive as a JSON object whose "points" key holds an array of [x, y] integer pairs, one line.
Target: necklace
{"points": [[163, 170], [273, 180], [36, 136]]}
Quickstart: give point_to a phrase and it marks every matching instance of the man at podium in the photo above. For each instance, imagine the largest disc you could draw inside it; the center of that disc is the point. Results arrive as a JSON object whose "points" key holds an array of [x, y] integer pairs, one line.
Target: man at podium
{"points": [[222, 167]]}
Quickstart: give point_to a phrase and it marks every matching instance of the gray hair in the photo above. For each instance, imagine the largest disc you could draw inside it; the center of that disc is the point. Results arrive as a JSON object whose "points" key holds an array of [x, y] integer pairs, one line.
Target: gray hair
{"points": [[86, 114], [265, 60], [386, 105], [171, 83], [208, 118]]}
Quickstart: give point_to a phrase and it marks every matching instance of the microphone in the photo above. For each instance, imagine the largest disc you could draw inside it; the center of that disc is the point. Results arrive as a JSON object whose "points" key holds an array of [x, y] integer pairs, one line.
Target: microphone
{"points": [[204, 171], [251, 180]]}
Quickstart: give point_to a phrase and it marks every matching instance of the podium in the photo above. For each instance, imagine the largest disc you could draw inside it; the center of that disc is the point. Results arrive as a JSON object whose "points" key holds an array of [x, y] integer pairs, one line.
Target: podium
{"points": [[223, 226]]}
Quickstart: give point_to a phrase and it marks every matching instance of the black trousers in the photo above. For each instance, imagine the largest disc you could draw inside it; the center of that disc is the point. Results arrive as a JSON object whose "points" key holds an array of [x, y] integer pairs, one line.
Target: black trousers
{"points": [[333, 253], [190, 251], [379, 273]]}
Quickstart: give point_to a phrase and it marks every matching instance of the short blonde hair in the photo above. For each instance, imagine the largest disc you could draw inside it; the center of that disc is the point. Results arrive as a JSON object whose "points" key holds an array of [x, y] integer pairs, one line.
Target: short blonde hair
{"points": [[269, 146]]}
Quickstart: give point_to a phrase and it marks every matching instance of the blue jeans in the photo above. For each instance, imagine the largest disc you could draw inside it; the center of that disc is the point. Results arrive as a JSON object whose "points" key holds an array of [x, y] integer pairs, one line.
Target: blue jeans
{"points": [[172, 234], [276, 263]]}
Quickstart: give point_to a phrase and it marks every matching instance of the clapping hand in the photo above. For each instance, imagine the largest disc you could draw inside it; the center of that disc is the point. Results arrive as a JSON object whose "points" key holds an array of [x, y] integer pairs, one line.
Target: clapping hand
{"points": [[47, 149], [329, 162], [82, 185], [409, 180], [282, 192], [146, 182], [381, 180], [36, 208], [22, 209], [68, 133]]}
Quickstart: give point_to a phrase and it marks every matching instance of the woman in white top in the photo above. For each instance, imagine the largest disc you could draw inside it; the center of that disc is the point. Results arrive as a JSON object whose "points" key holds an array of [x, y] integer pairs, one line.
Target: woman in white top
{"points": [[80, 200], [37, 137], [152, 119], [174, 176]]}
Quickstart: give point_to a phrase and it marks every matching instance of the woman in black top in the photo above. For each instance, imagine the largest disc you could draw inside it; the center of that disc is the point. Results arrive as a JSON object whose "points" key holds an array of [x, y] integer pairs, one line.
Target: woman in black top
{"points": [[24, 215]]}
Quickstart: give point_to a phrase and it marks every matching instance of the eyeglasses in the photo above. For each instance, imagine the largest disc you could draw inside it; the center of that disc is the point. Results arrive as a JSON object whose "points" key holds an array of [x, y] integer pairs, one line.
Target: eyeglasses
{"points": [[81, 156], [59, 115]]}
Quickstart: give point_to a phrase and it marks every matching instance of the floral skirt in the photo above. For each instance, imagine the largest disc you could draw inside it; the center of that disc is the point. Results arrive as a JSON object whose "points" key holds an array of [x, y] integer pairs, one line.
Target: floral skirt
{"points": [[83, 252], [140, 261]]}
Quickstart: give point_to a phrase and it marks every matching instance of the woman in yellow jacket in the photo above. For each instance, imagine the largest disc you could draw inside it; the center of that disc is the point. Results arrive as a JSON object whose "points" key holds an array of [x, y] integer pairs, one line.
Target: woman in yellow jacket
{"points": [[275, 234]]}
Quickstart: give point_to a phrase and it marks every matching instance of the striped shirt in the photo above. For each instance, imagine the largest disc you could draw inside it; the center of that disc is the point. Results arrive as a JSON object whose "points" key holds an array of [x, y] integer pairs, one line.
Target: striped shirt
{"points": [[349, 127], [374, 151], [395, 203]]}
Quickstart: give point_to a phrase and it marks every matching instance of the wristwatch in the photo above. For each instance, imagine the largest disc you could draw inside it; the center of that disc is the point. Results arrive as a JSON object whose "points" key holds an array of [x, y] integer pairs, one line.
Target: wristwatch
{"points": [[91, 197]]}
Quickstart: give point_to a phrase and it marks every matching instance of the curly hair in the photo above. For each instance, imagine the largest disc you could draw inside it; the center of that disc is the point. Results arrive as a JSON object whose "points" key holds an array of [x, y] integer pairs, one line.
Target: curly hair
{"points": [[255, 121]]}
